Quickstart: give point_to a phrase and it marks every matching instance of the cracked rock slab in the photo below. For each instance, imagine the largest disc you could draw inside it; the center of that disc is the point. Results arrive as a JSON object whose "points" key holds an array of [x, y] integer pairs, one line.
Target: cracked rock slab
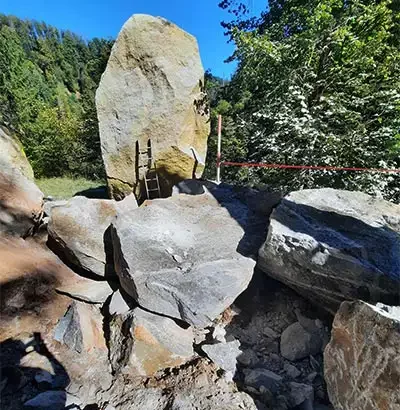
{"points": [[178, 257], [331, 245]]}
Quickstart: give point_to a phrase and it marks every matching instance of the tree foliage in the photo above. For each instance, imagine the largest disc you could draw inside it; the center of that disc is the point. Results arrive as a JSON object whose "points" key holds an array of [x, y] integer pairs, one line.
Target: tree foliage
{"points": [[318, 83], [48, 80]]}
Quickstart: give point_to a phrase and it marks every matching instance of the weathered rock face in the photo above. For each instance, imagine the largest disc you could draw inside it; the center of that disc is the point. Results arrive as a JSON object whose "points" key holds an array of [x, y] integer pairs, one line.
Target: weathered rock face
{"points": [[178, 257], [12, 151], [362, 360], [145, 343], [20, 199], [152, 89], [81, 328], [79, 230], [332, 245]]}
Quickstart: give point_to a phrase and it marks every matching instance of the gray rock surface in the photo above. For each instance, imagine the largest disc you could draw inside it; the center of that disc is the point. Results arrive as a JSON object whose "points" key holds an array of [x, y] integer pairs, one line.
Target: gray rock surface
{"points": [[224, 355], [292, 371], [300, 393], [80, 232], [86, 290], [178, 257], [143, 343], [362, 360], [332, 245], [80, 329], [297, 343], [262, 377], [153, 86], [118, 305]]}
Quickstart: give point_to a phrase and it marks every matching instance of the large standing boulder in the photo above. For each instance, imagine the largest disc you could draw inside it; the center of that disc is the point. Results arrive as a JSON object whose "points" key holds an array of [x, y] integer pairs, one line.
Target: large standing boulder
{"points": [[152, 89], [333, 245], [362, 360], [178, 257], [20, 199], [79, 232]]}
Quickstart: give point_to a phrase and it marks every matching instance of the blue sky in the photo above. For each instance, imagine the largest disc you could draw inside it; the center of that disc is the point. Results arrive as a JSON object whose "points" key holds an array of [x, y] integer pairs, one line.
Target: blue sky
{"points": [[104, 18]]}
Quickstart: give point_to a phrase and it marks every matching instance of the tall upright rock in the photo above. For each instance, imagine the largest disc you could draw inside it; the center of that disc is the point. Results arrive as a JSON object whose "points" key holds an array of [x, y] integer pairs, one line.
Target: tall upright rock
{"points": [[152, 89]]}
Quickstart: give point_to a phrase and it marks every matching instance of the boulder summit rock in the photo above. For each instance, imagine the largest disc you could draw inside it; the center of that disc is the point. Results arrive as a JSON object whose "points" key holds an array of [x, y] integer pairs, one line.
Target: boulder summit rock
{"points": [[152, 88], [362, 360], [178, 257], [333, 245]]}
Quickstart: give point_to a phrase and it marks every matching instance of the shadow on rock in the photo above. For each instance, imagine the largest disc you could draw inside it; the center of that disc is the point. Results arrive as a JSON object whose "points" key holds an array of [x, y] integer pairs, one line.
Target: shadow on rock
{"points": [[250, 208], [36, 387], [99, 192]]}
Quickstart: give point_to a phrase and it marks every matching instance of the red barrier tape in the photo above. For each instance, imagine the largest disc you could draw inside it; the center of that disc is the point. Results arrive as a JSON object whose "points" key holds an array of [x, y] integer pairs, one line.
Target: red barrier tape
{"points": [[313, 167]]}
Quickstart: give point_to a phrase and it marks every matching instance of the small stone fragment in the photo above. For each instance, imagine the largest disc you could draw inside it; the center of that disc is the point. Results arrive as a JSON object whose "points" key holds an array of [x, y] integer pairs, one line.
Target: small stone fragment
{"points": [[224, 355], [118, 305], [262, 377], [297, 343], [291, 371], [300, 393]]}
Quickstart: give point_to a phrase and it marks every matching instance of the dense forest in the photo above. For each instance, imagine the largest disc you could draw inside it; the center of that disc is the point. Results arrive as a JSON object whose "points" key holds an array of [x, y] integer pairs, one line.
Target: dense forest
{"points": [[48, 79], [317, 83]]}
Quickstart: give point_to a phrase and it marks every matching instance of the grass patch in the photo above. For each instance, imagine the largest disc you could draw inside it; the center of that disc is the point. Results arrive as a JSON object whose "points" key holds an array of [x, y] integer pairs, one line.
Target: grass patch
{"points": [[65, 187]]}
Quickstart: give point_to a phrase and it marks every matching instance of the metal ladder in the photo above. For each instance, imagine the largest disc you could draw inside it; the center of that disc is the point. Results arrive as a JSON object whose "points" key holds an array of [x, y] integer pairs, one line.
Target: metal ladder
{"points": [[151, 182]]}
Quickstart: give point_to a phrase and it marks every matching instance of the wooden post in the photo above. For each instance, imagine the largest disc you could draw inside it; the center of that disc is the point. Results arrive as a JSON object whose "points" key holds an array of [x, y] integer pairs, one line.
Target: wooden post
{"points": [[219, 149]]}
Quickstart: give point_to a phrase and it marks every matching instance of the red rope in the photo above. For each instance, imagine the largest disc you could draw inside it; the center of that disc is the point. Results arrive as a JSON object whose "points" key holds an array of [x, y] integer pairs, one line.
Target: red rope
{"points": [[314, 167]]}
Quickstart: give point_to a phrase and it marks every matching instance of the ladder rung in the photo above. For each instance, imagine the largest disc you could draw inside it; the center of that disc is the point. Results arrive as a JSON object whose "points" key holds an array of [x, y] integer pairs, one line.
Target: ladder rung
{"points": [[151, 180], [152, 190]]}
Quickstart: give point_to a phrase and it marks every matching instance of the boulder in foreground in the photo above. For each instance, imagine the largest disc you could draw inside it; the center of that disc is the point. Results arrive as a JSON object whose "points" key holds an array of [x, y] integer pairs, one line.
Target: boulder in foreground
{"points": [[178, 257], [79, 230], [362, 360], [332, 245], [152, 88]]}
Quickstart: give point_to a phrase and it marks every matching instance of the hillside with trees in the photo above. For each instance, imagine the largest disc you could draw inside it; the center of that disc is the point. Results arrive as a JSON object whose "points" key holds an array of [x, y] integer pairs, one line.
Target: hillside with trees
{"points": [[48, 78], [318, 83]]}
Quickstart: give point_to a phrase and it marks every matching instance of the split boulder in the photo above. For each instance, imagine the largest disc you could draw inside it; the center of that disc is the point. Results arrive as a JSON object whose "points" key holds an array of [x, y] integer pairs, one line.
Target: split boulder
{"points": [[332, 245], [153, 87], [178, 257]]}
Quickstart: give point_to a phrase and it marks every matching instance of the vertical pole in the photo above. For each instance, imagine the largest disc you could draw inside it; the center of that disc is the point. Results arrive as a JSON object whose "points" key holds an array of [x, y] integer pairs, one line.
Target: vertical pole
{"points": [[219, 149]]}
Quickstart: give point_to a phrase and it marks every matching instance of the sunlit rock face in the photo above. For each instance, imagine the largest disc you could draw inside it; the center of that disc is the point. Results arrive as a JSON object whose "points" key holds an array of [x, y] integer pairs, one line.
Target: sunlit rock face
{"points": [[152, 88]]}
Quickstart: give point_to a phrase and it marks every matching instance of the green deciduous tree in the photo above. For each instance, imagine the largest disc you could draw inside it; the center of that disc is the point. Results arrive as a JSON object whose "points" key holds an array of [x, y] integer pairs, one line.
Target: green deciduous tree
{"points": [[318, 82]]}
